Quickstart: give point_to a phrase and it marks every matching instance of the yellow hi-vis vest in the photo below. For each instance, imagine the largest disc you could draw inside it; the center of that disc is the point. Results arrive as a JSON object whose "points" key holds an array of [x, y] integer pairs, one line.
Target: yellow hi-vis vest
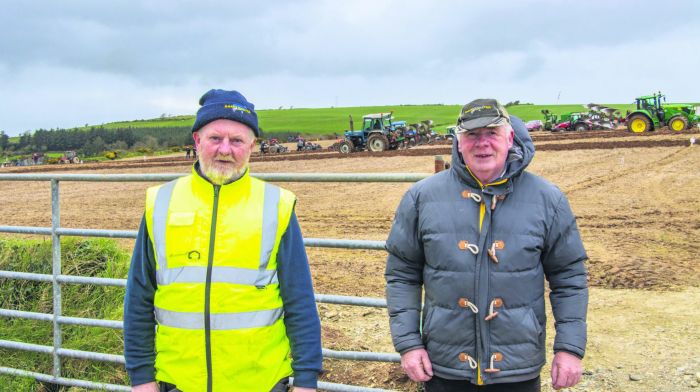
{"points": [[217, 302]]}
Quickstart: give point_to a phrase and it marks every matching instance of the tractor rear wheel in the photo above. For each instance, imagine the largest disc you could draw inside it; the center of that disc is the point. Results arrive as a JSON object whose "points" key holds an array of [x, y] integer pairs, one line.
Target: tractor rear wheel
{"points": [[346, 147], [678, 123], [377, 143], [638, 123], [580, 127]]}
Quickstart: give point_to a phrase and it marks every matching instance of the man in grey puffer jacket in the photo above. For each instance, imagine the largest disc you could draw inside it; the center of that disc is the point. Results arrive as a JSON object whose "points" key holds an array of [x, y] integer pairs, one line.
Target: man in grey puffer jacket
{"points": [[481, 238]]}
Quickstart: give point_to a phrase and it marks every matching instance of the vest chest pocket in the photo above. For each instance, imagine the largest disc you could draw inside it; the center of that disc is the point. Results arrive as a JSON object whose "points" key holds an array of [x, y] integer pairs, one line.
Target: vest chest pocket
{"points": [[184, 238]]}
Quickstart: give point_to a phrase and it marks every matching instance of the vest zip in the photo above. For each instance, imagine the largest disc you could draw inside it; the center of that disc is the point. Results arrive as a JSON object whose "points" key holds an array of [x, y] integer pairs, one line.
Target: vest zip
{"points": [[207, 288]]}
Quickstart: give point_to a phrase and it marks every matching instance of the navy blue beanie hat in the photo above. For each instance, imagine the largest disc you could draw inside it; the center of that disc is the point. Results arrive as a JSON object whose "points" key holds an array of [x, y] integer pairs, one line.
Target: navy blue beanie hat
{"points": [[229, 105]]}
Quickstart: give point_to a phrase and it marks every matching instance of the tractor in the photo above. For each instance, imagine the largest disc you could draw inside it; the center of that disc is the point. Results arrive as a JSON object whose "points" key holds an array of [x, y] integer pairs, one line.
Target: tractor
{"points": [[652, 114], [575, 121], [69, 157], [378, 133]]}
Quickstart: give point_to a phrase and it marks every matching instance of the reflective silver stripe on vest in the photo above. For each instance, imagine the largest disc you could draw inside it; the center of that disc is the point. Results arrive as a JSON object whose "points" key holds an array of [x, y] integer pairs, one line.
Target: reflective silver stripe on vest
{"points": [[219, 321], [220, 274], [196, 274], [160, 218], [269, 232]]}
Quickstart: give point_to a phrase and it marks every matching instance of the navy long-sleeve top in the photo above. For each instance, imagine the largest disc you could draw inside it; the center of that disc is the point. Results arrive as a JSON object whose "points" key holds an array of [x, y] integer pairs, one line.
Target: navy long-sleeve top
{"points": [[300, 315]]}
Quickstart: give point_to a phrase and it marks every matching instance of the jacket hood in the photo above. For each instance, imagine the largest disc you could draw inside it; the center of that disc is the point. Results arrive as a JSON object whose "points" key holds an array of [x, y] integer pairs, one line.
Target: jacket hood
{"points": [[519, 156]]}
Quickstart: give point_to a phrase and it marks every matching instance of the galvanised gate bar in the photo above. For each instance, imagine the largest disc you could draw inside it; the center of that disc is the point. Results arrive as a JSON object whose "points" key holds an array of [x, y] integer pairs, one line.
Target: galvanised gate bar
{"points": [[57, 278]]}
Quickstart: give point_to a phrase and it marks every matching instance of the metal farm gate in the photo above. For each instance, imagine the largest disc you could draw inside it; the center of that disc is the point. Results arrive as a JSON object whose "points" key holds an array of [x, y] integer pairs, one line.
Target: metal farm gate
{"points": [[57, 278]]}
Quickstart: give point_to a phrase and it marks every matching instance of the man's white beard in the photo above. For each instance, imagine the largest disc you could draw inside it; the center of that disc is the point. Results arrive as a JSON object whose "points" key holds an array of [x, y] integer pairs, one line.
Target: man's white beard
{"points": [[222, 176]]}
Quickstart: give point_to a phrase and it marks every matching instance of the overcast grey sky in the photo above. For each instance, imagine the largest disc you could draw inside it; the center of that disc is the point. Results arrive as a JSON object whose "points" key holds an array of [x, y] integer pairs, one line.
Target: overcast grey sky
{"points": [[67, 63]]}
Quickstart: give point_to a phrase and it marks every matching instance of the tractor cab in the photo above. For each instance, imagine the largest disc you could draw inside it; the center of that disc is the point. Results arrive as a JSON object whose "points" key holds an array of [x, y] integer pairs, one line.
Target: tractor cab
{"points": [[649, 102], [376, 122], [652, 104]]}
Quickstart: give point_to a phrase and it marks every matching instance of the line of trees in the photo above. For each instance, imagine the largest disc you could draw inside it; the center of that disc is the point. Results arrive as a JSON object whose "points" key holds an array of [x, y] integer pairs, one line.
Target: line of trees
{"points": [[96, 140]]}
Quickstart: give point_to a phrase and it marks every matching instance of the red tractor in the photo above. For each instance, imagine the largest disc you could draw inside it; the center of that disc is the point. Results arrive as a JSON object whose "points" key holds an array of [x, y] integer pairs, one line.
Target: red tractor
{"points": [[69, 157]]}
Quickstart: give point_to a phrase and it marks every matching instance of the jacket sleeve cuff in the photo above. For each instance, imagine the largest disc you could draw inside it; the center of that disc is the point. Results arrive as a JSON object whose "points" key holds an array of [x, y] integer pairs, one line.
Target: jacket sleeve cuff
{"points": [[575, 354], [142, 375], [408, 343], [406, 349], [569, 348], [306, 379]]}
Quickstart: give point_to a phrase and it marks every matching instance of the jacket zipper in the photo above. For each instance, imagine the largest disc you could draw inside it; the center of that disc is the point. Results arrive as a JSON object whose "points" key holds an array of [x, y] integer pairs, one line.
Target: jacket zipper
{"points": [[207, 289], [487, 264], [482, 213]]}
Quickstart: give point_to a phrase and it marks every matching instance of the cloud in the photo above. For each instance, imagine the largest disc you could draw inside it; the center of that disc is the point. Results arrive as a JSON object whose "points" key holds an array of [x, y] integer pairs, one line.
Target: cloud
{"points": [[103, 61]]}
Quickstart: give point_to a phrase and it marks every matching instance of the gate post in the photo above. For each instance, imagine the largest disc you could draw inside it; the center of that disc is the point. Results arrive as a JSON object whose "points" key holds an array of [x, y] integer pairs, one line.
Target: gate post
{"points": [[56, 270], [439, 163]]}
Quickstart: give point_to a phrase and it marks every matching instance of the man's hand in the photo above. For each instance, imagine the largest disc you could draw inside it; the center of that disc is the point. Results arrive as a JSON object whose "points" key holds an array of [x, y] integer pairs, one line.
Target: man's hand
{"points": [[302, 389], [147, 387], [566, 370], [417, 366]]}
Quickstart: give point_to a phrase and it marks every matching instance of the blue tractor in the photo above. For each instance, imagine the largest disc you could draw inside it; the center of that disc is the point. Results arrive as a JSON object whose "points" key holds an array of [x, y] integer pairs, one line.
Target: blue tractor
{"points": [[378, 133]]}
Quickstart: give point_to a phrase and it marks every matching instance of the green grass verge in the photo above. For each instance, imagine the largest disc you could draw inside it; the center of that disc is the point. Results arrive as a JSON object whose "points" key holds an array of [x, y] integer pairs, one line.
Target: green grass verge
{"points": [[84, 257]]}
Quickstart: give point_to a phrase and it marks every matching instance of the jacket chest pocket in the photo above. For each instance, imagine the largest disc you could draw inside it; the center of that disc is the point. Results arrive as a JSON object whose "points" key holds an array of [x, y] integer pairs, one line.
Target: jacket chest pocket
{"points": [[184, 239]]}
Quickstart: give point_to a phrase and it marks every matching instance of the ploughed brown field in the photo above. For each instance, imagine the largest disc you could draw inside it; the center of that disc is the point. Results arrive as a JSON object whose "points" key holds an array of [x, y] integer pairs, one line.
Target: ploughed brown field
{"points": [[635, 197]]}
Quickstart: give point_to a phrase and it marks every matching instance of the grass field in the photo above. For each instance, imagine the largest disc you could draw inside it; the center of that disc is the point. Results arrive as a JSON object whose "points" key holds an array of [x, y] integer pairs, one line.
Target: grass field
{"points": [[326, 121]]}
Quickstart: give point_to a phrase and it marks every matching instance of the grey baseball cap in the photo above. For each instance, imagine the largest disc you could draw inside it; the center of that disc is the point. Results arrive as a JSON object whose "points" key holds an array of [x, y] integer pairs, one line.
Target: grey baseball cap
{"points": [[482, 113]]}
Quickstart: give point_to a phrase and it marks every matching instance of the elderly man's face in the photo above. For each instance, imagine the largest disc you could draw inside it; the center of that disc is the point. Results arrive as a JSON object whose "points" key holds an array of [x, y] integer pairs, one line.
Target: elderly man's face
{"points": [[485, 150], [224, 147]]}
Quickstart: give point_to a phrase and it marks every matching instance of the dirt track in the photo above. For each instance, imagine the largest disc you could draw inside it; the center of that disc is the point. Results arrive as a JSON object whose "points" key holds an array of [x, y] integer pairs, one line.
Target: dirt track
{"points": [[636, 206], [544, 141]]}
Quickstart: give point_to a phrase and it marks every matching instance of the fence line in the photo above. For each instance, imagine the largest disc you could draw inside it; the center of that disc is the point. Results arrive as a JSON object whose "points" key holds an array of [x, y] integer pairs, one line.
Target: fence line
{"points": [[56, 278]]}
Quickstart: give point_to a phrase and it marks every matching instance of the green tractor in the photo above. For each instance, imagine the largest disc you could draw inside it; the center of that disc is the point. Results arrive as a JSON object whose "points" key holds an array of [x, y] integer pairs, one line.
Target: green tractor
{"points": [[550, 119], [652, 114]]}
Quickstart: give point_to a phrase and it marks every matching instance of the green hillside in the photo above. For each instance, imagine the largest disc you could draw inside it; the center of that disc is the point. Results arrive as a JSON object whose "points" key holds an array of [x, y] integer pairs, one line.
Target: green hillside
{"points": [[326, 121]]}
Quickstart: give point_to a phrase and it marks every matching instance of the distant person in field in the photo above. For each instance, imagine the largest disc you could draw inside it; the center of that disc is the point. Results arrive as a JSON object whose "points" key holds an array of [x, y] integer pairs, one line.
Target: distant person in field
{"points": [[469, 251], [219, 295], [187, 152]]}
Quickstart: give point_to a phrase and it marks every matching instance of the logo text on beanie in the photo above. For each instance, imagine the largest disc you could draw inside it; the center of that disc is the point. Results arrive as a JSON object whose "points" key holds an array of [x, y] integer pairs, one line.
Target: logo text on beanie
{"points": [[236, 108]]}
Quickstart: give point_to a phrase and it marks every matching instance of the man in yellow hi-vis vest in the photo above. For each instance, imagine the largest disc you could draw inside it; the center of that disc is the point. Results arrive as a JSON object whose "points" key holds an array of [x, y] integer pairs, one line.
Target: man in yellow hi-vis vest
{"points": [[219, 296]]}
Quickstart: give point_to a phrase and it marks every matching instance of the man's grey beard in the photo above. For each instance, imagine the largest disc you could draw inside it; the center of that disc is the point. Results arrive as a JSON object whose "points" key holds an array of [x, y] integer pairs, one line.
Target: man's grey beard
{"points": [[219, 177]]}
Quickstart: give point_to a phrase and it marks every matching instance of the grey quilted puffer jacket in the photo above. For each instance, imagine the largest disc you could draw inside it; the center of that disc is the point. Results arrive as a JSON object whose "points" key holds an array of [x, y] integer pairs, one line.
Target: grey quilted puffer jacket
{"points": [[483, 317]]}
